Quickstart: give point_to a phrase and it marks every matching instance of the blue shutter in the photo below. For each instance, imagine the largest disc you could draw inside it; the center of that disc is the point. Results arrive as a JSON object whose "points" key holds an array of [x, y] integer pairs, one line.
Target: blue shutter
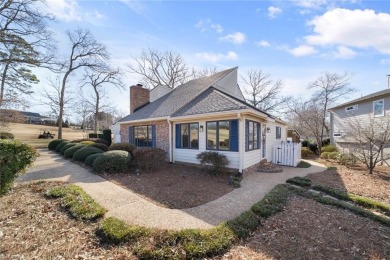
{"points": [[153, 135], [233, 135], [131, 134], [178, 136], [258, 135], [246, 135]]}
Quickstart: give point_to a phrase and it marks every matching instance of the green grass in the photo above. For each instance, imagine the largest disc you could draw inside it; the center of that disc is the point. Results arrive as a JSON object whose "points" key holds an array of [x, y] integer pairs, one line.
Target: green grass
{"points": [[303, 164], [332, 168], [78, 203], [300, 181]]}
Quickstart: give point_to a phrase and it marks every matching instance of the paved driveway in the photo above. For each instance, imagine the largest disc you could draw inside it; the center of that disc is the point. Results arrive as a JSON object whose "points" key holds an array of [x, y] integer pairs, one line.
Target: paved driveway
{"points": [[133, 209]]}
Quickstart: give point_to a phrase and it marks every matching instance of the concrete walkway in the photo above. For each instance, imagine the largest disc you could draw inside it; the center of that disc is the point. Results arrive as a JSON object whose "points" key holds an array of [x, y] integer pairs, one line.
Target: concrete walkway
{"points": [[133, 209]]}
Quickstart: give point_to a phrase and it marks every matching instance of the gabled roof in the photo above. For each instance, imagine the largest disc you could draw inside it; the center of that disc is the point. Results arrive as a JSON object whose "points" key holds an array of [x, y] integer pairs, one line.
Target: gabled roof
{"points": [[370, 96], [31, 114], [177, 99], [211, 100]]}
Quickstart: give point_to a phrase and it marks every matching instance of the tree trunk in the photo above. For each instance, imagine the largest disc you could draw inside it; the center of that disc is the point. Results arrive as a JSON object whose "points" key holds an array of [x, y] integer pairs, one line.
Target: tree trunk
{"points": [[96, 108], [62, 97], [2, 88]]}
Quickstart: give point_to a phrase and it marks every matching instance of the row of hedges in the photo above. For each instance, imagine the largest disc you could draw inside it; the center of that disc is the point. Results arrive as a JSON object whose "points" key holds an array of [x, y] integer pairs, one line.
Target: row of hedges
{"points": [[15, 157], [342, 158], [113, 159]]}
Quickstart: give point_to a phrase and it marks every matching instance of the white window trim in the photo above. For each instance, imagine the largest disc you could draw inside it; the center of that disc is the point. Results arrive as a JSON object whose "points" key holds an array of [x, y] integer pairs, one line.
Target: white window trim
{"points": [[383, 107]]}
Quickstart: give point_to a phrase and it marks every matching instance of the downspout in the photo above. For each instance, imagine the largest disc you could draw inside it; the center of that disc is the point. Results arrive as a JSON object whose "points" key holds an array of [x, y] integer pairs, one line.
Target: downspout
{"points": [[170, 149], [241, 132]]}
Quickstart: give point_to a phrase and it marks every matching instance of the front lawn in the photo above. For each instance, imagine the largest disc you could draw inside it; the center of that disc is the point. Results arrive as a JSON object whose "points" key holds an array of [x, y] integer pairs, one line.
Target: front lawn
{"points": [[175, 186]]}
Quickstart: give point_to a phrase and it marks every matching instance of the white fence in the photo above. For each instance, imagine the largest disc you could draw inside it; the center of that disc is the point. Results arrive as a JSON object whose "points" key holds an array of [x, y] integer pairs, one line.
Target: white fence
{"points": [[288, 154]]}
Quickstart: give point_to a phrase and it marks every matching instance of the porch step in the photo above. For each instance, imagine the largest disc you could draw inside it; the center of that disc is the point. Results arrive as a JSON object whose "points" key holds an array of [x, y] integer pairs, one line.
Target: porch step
{"points": [[269, 167]]}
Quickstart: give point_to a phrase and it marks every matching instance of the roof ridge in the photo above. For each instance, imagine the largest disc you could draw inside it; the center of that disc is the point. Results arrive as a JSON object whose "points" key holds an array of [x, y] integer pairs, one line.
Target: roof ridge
{"points": [[372, 95]]}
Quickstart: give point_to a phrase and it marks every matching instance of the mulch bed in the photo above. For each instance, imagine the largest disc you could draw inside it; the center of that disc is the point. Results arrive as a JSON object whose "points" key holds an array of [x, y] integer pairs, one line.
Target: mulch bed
{"points": [[175, 186], [357, 180], [309, 230]]}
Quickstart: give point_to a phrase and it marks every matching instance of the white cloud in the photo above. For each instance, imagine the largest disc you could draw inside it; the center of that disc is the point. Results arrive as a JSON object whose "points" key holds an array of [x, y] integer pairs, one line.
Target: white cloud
{"points": [[273, 11], [263, 43], [303, 50], [66, 10], [236, 38], [351, 28], [207, 24], [215, 57], [136, 6], [310, 4], [344, 53]]}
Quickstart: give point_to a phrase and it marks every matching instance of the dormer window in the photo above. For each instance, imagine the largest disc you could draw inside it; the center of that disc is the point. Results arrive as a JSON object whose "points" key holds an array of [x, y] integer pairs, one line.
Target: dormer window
{"points": [[351, 108]]}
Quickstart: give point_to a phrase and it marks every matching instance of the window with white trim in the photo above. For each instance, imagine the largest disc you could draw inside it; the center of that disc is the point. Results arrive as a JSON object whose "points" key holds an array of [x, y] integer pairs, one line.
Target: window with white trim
{"points": [[379, 107], [278, 132]]}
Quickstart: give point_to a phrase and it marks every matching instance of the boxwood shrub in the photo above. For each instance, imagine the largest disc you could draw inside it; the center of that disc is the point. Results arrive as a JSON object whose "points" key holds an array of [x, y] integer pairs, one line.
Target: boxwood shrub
{"points": [[91, 158], [84, 152], [324, 155], [53, 144], [148, 158], [69, 152], [95, 140], [66, 147], [217, 160], [60, 145], [102, 147], [14, 158], [122, 146], [329, 148], [112, 162], [6, 135]]}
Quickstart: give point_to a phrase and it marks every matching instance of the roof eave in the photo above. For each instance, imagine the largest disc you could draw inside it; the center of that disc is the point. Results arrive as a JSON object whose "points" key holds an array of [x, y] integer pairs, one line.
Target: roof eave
{"points": [[143, 120]]}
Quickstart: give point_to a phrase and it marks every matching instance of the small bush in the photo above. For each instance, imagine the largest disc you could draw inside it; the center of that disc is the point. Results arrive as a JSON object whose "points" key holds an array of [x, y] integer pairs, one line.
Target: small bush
{"points": [[60, 145], [333, 155], [102, 147], [84, 152], [272, 203], [66, 147], [69, 152], [148, 158], [79, 204], [313, 148], [347, 159], [244, 224], [305, 143], [53, 144], [112, 162], [91, 158], [303, 164], [6, 135], [324, 155], [87, 142], [15, 157], [329, 149], [305, 152], [300, 181], [217, 160], [123, 147], [95, 140]]}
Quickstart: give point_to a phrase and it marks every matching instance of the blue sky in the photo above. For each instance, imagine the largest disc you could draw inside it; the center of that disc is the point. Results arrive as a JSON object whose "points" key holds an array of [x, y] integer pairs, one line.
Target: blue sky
{"points": [[294, 41]]}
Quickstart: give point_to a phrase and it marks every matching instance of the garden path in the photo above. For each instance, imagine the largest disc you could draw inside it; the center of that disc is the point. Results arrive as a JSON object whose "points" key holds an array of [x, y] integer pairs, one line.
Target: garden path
{"points": [[133, 209]]}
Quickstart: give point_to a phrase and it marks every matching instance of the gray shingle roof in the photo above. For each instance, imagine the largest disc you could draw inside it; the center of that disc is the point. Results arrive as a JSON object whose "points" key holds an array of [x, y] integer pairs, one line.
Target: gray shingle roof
{"points": [[31, 114], [181, 96], [373, 95], [211, 100]]}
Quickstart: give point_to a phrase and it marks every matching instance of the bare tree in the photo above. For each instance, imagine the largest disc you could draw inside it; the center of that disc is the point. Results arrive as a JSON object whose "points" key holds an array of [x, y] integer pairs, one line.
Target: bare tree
{"points": [[263, 91], [329, 88], [24, 41], [98, 81], [368, 138], [160, 68], [82, 109], [85, 52], [203, 72]]}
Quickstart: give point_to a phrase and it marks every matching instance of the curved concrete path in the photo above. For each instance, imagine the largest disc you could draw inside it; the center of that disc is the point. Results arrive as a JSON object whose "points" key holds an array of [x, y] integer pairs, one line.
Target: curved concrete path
{"points": [[133, 209]]}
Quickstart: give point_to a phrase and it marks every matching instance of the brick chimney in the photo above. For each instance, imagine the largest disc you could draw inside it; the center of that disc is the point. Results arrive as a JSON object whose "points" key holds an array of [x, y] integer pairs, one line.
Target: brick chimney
{"points": [[139, 96]]}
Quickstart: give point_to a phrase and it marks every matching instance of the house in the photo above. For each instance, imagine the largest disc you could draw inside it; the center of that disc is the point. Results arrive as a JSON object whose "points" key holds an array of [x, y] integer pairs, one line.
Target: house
{"points": [[31, 117], [363, 112], [293, 136], [205, 114]]}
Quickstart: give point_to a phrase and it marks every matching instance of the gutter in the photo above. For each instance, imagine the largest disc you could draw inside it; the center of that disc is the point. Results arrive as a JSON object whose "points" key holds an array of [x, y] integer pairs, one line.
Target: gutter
{"points": [[170, 134], [241, 149]]}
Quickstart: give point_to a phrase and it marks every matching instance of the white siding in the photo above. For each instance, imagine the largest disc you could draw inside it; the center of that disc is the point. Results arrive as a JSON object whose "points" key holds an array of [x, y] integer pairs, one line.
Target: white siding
{"points": [[252, 157], [189, 155], [271, 138]]}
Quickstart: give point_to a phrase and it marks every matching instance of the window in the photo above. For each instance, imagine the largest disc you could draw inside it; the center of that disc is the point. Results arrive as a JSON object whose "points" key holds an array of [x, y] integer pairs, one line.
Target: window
{"points": [[188, 136], [379, 109], [278, 132], [253, 133], [143, 136], [218, 135], [351, 108]]}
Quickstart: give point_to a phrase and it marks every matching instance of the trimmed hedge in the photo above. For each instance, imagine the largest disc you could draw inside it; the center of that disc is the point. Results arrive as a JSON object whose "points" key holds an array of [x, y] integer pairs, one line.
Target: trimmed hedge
{"points": [[333, 155], [217, 160], [102, 147], [95, 140], [60, 145], [15, 157], [6, 135], [91, 158], [329, 148], [324, 155], [300, 181], [53, 144], [66, 147], [147, 158], [123, 147], [69, 152], [84, 152], [272, 203], [112, 162]]}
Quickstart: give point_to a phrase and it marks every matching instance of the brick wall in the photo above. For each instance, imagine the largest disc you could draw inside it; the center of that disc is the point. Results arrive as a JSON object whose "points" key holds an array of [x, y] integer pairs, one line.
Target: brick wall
{"points": [[162, 133], [138, 96]]}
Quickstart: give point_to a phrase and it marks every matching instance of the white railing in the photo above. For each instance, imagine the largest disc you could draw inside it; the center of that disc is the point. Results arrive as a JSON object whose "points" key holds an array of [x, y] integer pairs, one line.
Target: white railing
{"points": [[288, 154]]}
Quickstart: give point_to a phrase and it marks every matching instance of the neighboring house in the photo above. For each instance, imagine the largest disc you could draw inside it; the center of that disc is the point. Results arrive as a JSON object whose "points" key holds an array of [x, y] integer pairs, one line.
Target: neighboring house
{"points": [[205, 114], [293, 136], [363, 112], [31, 117]]}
